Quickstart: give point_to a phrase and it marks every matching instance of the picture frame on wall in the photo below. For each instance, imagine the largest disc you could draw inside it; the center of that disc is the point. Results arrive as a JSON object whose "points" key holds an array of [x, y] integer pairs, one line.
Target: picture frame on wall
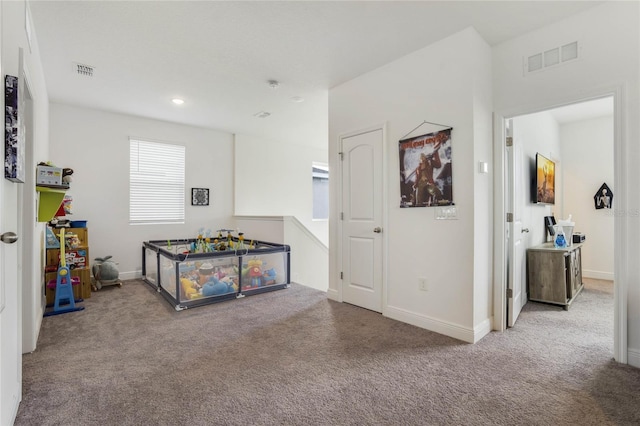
{"points": [[426, 178], [199, 196], [14, 144]]}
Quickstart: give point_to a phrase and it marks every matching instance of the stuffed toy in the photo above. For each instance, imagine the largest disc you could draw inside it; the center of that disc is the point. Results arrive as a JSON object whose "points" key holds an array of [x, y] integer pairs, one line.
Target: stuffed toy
{"points": [[215, 287], [105, 272], [269, 276], [66, 176]]}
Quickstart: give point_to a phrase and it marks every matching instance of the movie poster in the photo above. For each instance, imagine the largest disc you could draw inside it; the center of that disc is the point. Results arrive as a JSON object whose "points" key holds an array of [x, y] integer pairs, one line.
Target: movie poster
{"points": [[425, 170]]}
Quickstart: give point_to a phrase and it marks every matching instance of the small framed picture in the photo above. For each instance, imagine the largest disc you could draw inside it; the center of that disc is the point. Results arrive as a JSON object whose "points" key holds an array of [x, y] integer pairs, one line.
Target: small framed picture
{"points": [[199, 196]]}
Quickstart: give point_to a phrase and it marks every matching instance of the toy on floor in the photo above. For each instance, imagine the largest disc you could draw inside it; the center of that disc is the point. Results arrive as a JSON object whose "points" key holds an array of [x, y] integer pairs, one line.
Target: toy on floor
{"points": [[63, 285], [105, 272]]}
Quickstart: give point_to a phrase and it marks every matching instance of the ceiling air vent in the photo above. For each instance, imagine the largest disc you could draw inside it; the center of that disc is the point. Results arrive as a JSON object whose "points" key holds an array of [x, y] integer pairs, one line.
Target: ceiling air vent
{"points": [[83, 70], [262, 114], [551, 57]]}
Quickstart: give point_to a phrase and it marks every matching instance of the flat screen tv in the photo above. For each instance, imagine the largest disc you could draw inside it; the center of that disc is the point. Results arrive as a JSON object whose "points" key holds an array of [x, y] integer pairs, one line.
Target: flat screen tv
{"points": [[545, 180]]}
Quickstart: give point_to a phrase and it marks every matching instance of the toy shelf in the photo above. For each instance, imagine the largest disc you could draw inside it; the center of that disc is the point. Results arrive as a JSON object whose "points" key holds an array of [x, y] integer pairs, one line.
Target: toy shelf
{"points": [[50, 201]]}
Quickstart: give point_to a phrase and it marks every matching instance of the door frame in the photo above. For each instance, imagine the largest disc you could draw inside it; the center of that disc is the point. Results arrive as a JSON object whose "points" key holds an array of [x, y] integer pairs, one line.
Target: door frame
{"points": [[385, 223], [620, 344]]}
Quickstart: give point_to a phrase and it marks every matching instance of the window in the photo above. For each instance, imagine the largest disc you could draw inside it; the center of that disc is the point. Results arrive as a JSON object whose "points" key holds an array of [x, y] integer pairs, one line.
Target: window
{"points": [[320, 173], [156, 182]]}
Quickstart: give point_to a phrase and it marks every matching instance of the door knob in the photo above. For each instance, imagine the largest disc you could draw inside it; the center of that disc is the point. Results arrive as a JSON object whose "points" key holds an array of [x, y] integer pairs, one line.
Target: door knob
{"points": [[9, 237], [525, 230], [377, 230]]}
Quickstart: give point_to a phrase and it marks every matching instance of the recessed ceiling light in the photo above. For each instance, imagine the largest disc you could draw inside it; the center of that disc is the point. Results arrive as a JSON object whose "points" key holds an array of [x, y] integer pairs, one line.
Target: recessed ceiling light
{"points": [[262, 114], [297, 99], [177, 101]]}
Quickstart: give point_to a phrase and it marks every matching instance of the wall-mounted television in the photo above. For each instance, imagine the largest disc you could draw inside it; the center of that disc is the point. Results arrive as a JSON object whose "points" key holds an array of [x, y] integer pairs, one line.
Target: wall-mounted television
{"points": [[545, 180]]}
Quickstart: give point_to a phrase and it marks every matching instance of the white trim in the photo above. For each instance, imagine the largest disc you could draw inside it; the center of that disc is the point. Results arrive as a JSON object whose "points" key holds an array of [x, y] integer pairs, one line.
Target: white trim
{"points": [[455, 331], [131, 275], [620, 344], [597, 275], [499, 229], [334, 295], [482, 329], [293, 220], [633, 357]]}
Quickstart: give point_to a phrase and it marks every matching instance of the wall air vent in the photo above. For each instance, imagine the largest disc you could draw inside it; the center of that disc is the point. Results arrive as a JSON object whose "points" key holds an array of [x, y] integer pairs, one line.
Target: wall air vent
{"points": [[83, 70], [551, 57]]}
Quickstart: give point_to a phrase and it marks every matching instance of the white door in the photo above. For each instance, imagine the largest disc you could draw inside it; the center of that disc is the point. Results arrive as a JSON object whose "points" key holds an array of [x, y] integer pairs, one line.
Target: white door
{"points": [[10, 303], [362, 219], [516, 234], [10, 306]]}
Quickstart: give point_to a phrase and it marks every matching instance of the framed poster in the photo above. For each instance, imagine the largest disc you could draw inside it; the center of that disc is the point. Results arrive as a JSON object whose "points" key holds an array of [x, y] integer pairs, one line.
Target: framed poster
{"points": [[426, 177], [199, 196]]}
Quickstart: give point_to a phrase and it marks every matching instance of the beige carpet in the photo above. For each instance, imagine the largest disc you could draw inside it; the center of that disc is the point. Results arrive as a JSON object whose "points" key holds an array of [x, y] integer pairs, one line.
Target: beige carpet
{"points": [[292, 357]]}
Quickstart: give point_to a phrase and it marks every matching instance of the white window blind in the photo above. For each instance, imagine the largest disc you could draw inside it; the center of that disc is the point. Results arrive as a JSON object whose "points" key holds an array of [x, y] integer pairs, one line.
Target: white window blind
{"points": [[156, 182]]}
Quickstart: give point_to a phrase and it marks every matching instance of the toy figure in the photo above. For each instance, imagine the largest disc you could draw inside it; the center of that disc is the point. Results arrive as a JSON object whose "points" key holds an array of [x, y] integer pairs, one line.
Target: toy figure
{"points": [[241, 241], [255, 272], [269, 276]]}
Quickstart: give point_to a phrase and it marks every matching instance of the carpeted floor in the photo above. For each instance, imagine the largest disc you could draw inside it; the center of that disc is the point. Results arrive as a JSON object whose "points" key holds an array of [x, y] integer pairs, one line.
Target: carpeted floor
{"points": [[292, 357]]}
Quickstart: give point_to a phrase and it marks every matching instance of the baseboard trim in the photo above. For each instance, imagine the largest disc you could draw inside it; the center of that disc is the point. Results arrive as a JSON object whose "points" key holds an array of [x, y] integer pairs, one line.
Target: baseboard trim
{"points": [[482, 329], [333, 295], [438, 326], [597, 275], [132, 275], [633, 357]]}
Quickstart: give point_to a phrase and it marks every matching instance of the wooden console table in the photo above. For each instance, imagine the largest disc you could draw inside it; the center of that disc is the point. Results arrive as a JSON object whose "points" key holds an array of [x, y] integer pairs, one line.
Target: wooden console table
{"points": [[554, 274]]}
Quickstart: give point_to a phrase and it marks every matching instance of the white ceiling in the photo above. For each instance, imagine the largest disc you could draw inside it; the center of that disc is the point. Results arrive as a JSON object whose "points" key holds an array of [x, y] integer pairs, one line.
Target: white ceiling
{"points": [[218, 56]]}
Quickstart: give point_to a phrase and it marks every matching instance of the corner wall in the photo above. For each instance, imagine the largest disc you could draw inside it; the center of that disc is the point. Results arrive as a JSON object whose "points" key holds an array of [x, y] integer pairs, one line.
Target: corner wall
{"points": [[447, 82], [274, 179], [95, 144]]}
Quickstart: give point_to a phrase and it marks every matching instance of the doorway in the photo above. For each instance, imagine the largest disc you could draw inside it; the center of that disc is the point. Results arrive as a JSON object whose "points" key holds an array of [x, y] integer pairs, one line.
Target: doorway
{"points": [[584, 145]]}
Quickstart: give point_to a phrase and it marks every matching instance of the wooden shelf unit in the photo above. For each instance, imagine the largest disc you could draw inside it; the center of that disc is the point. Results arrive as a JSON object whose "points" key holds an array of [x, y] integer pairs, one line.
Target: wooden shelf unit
{"points": [[554, 274], [49, 202], [82, 291]]}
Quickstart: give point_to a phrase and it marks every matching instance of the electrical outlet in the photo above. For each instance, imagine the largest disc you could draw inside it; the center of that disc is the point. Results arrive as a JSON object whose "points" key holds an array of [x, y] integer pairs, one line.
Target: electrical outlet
{"points": [[422, 284]]}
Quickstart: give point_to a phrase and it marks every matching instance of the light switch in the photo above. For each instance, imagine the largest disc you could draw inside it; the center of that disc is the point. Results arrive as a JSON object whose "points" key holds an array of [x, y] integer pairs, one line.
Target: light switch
{"points": [[447, 213]]}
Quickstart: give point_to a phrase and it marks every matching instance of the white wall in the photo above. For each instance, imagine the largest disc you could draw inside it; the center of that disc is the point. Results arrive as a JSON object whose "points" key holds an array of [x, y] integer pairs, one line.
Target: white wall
{"points": [[535, 133], [609, 63], [95, 144], [587, 163], [483, 187], [441, 83], [274, 179]]}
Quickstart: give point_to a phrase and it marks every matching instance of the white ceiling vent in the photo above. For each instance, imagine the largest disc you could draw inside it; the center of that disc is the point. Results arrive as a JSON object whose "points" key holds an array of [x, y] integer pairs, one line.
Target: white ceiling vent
{"points": [[83, 70], [551, 57]]}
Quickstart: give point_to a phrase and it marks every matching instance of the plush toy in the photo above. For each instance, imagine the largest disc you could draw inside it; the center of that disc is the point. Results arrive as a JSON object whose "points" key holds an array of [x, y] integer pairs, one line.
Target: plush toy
{"points": [[66, 176], [105, 272], [254, 272], [215, 287], [188, 288], [269, 276]]}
